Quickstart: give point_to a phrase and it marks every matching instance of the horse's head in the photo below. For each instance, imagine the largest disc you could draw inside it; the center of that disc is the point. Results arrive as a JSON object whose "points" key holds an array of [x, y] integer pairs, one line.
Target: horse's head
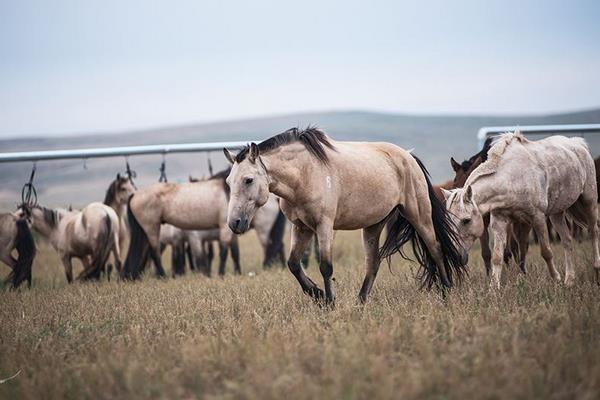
{"points": [[466, 217], [249, 185], [119, 191]]}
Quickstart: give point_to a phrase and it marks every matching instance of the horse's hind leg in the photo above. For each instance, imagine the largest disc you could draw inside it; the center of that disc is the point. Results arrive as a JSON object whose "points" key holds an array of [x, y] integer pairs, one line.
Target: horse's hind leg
{"points": [[564, 232], [301, 237], [370, 236], [541, 229], [158, 267], [523, 231]]}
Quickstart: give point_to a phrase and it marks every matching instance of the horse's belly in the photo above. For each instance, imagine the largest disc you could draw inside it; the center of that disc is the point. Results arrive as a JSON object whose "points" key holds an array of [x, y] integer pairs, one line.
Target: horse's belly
{"points": [[194, 219], [351, 218]]}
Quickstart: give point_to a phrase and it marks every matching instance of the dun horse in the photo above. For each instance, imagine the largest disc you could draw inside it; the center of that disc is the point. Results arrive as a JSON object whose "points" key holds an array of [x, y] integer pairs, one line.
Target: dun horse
{"points": [[90, 235], [15, 235], [192, 205], [117, 195], [527, 181], [325, 185]]}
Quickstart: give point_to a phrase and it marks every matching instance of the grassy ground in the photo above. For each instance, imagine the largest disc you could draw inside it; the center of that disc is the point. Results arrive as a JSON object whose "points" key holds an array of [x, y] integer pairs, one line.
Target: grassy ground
{"points": [[260, 337]]}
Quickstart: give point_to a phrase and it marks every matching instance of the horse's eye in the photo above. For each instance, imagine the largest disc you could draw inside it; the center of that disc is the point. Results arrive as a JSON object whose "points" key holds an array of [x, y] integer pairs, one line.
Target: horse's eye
{"points": [[466, 221], [248, 181]]}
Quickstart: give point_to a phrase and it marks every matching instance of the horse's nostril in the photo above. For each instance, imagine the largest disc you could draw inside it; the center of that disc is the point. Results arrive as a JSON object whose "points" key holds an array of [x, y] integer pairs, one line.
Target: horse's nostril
{"points": [[238, 222]]}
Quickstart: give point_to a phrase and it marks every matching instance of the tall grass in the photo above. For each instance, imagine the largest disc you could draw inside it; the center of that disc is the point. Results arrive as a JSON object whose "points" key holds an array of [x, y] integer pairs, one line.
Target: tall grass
{"points": [[260, 337]]}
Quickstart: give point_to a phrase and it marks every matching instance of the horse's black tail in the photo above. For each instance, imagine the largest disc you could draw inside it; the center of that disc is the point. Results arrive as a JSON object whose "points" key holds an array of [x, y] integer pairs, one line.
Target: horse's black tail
{"points": [[25, 246], [138, 247], [275, 244], [400, 231]]}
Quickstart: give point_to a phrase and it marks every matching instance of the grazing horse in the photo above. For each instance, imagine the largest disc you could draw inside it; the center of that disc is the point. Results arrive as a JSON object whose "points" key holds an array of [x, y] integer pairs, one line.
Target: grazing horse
{"points": [[90, 234], [15, 235], [190, 205], [528, 181], [326, 185], [118, 193]]}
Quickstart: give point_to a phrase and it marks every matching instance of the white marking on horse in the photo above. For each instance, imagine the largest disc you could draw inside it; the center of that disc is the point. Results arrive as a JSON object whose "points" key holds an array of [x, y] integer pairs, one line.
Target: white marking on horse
{"points": [[328, 180]]}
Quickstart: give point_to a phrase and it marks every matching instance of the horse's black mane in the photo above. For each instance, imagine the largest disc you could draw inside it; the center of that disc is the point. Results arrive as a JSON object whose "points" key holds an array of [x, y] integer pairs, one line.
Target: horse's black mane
{"points": [[111, 192], [50, 216], [483, 153], [312, 138]]}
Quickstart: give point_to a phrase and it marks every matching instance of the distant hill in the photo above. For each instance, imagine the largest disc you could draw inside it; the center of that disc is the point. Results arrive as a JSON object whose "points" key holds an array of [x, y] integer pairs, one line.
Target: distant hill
{"points": [[434, 138]]}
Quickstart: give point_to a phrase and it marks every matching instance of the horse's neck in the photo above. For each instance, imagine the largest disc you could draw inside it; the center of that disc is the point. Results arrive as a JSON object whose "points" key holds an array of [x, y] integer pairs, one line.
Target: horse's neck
{"points": [[285, 172], [119, 208], [487, 195]]}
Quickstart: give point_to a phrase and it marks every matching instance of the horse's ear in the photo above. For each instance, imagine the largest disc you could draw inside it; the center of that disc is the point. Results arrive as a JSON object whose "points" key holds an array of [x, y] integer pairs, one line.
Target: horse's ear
{"points": [[253, 154], [455, 165], [468, 197], [446, 193], [229, 156], [118, 176]]}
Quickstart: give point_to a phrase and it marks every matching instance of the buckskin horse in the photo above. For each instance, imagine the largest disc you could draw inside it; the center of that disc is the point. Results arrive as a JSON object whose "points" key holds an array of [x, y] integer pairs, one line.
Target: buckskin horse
{"points": [[326, 185]]}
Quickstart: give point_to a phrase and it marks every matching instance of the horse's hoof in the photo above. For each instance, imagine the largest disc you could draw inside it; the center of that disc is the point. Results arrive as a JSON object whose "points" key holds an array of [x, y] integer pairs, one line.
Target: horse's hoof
{"points": [[569, 281]]}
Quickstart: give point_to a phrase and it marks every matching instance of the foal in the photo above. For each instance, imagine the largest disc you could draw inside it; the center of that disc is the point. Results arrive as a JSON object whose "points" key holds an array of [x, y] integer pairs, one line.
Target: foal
{"points": [[325, 185]]}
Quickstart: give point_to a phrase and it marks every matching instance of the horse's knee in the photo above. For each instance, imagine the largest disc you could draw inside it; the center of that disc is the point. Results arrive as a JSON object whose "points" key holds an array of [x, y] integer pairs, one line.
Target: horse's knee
{"points": [[326, 269], [293, 265]]}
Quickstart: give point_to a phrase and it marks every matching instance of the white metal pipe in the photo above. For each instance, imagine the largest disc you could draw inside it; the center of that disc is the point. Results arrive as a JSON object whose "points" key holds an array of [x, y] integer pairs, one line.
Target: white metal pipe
{"points": [[118, 151]]}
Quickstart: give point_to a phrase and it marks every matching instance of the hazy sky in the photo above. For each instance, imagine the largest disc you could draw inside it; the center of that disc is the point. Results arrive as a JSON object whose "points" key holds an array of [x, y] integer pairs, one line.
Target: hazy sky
{"points": [[79, 66]]}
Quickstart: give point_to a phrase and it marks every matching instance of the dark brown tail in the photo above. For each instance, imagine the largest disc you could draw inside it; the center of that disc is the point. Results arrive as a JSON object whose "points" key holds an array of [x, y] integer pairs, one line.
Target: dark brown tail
{"points": [[400, 231], [25, 246], [275, 245], [138, 248]]}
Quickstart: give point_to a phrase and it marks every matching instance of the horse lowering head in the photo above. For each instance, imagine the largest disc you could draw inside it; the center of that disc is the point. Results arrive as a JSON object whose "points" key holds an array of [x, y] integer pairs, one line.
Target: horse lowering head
{"points": [[249, 185], [466, 217]]}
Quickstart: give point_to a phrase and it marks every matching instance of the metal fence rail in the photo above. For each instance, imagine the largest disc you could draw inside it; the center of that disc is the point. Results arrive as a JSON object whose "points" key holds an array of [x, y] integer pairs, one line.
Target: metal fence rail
{"points": [[124, 151], [567, 129]]}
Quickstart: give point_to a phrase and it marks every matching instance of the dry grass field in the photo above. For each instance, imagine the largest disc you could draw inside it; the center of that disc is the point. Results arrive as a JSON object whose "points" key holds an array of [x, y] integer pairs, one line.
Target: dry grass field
{"points": [[259, 337]]}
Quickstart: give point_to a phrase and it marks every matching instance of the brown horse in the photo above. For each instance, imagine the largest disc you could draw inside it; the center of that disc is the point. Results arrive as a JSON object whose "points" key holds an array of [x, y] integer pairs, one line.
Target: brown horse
{"points": [[15, 235], [325, 185], [190, 206]]}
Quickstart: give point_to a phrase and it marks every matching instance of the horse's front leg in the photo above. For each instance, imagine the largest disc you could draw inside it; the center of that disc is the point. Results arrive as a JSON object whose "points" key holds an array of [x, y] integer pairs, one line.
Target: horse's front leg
{"points": [[325, 240], [484, 241], [235, 255], [370, 237], [498, 223], [301, 236]]}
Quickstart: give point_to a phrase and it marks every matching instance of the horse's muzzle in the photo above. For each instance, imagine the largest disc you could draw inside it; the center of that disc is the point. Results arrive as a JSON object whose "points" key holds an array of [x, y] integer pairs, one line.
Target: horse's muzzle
{"points": [[239, 225]]}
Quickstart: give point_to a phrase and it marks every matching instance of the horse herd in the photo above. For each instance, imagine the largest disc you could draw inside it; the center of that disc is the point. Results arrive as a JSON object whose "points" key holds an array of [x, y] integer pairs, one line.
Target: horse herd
{"points": [[511, 187]]}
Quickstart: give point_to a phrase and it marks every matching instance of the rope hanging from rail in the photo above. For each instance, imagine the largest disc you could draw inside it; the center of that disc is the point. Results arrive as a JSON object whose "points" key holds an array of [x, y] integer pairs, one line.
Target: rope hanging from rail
{"points": [[163, 169], [210, 167], [29, 193]]}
